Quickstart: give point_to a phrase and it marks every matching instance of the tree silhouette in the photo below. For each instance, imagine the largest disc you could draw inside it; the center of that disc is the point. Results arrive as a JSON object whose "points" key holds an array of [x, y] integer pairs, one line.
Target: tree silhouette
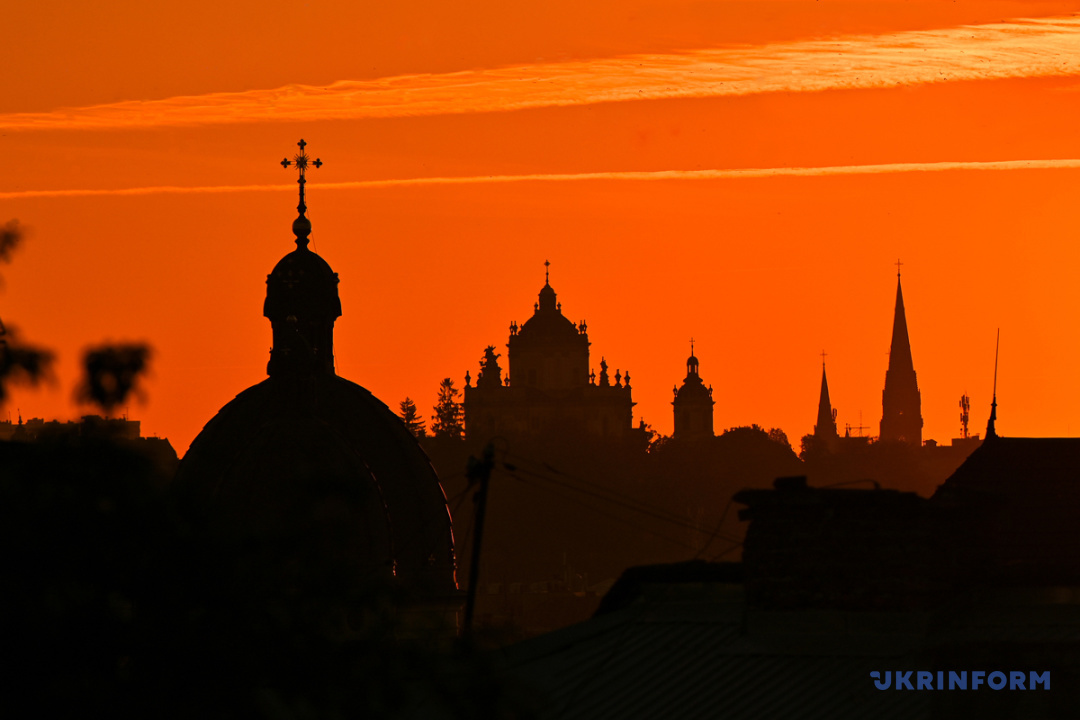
{"points": [[112, 373], [779, 436], [18, 363], [11, 234], [412, 418], [448, 413], [21, 364]]}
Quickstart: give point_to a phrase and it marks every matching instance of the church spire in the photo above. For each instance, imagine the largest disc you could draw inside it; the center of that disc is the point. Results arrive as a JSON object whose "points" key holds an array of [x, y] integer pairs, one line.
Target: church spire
{"points": [[825, 428], [900, 349], [901, 417]]}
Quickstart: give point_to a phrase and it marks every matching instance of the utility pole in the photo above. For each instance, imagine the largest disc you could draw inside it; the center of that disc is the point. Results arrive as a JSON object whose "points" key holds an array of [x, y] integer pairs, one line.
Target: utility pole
{"points": [[478, 472]]}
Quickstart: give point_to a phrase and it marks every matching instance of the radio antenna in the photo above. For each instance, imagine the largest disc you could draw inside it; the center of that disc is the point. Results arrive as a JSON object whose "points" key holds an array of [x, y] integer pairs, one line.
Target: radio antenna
{"points": [[991, 431]]}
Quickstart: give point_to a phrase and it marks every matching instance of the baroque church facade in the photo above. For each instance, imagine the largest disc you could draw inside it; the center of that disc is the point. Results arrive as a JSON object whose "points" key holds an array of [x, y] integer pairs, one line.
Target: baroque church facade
{"points": [[549, 389]]}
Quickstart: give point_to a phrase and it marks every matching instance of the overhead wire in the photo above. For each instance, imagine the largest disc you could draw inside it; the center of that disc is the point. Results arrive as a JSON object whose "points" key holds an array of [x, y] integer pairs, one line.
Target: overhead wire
{"points": [[611, 516], [622, 501]]}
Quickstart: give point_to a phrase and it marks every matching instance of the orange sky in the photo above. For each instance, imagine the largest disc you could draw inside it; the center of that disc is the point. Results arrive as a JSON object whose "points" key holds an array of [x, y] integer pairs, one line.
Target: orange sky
{"points": [[613, 138]]}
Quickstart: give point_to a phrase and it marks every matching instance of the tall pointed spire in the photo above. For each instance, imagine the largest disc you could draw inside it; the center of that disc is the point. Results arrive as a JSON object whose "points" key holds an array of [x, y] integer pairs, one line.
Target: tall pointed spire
{"points": [[825, 429], [900, 349], [901, 417]]}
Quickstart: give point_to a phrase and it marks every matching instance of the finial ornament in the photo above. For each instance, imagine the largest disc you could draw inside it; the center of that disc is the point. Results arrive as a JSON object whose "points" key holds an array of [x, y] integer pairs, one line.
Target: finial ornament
{"points": [[823, 354], [898, 264], [547, 277], [302, 161], [691, 347]]}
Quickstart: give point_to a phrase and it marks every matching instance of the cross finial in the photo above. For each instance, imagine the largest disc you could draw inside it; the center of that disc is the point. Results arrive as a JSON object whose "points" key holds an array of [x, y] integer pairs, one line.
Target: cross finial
{"points": [[898, 264], [823, 354], [547, 278], [302, 226], [691, 347]]}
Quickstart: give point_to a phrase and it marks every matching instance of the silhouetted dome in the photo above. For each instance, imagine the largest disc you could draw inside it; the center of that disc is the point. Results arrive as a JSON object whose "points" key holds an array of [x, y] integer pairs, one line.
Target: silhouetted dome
{"points": [[693, 387], [692, 364], [302, 284], [324, 451], [548, 323]]}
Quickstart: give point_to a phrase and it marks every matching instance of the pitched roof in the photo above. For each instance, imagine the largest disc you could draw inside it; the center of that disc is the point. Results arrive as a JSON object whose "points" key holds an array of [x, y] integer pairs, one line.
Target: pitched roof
{"points": [[683, 650]]}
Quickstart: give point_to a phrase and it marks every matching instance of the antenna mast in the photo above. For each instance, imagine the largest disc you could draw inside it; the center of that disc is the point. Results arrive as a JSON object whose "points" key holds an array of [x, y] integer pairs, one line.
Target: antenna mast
{"points": [[965, 409], [991, 431]]}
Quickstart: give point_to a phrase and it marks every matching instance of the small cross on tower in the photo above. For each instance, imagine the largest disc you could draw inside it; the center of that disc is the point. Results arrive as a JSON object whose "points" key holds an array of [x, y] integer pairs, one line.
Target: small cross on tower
{"points": [[547, 279], [898, 264], [823, 354]]}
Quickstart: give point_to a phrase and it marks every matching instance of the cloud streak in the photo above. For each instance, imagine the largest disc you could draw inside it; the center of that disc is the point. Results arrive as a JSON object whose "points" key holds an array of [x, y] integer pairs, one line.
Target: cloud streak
{"points": [[747, 173], [1022, 48]]}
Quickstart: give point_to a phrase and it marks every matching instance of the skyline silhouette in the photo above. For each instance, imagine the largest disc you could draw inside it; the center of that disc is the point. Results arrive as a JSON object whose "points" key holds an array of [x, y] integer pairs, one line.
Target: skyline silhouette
{"points": [[761, 223], [441, 494]]}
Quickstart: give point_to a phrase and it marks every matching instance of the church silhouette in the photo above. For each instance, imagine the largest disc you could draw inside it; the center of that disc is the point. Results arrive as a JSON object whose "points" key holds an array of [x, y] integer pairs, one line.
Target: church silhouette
{"points": [[306, 452], [549, 391]]}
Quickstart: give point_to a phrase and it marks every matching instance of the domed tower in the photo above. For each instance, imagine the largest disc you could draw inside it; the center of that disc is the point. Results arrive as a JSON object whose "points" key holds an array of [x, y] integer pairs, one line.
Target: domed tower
{"points": [[310, 455], [693, 404], [549, 352]]}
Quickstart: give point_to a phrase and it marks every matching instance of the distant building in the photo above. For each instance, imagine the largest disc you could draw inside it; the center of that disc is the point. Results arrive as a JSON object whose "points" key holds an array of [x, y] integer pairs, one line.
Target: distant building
{"points": [[901, 402], [39, 428], [549, 391], [693, 404], [121, 430]]}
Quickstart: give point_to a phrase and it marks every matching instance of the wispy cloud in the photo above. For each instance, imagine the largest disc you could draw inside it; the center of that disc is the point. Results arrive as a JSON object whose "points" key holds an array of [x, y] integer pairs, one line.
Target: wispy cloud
{"points": [[570, 177], [1021, 48]]}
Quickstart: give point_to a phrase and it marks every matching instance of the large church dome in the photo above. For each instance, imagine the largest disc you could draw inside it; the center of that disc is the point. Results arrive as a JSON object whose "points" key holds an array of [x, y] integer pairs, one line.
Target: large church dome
{"points": [[308, 454], [326, 450], [548, 323]]}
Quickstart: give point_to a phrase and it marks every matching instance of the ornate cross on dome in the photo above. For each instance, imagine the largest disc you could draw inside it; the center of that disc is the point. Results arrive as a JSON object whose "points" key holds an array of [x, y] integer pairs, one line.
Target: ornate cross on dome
{"points": [[547, 265], [302, 226]]}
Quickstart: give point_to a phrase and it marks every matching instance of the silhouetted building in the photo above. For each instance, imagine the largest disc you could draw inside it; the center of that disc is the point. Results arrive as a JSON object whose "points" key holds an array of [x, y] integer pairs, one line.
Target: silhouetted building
{"points": [[94, 427], [549, 391], [310, 455], [825, 435], [693, 404], [901, 402], [843, 597]]}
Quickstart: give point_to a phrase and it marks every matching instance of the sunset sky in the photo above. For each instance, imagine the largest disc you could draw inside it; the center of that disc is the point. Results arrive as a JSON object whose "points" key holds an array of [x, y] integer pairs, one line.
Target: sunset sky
{"points": [[743, 173]]}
